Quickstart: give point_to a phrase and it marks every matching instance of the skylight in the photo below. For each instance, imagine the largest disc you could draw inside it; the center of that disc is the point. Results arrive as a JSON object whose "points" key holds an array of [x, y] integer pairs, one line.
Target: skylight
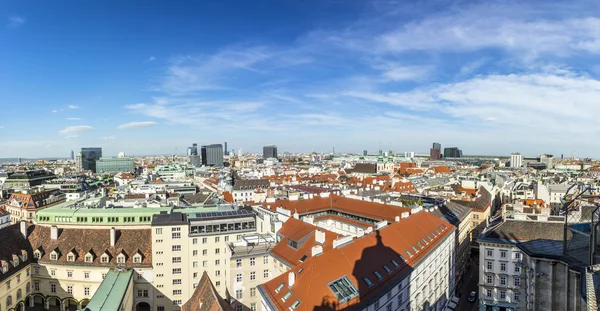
{"points": [[387, 269], [295, 305], [369, 283], [429, 237], [378, 275], [395, 263], [425, 241], [437, 231], [303, 258], [286, 296], [278, 289], [420, 245], [415, 249], [409, 254], [402, 257], [343, 289]]}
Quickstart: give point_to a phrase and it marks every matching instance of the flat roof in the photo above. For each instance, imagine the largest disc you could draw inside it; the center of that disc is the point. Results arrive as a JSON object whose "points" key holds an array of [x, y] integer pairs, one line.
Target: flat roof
{"points": [[111, 292]]}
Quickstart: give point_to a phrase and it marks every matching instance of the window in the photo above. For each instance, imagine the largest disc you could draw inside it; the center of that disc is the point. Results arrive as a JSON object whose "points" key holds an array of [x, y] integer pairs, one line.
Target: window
{"points": [[400, 298], [502, 266], [53, 272], [238, 308], [266, 274], [517, 269], [176, 271], [28, 288], [238, 294], [69, 274], [177, 282], [217, 239], [195, 264], [137, 259], [367, 281], [238, 263], [502, 254], [388, 307], [195, 253], [503, 280], [36, 285], [378, 275], [195, 275], [489, 265], [252, 291], [238, 277], [218, 283], [86, 275], [293, 244], [516, 296], [376, 304], [204, 252], [217, 262], [88, 258], [160, 308], [176, 248], [265, 259], [218, 273], [53, 287], [286, 296], [502, 294], [517, 256], [194, 241], [488, 279], [103, 276], [104, 259], [205, 263], [488, 293], [517, 282], [295, 305], [204, 240], [176, 292], [9, 301], [86, 291], [217, 251], [252, 276], [343, 289], [53, 256], [278, 289], [121, 258], [177, 302], [253, 306], [490, 252], [158, 230], [387, 269], [36, 270], [176, 235], [252, 261], [176, 260], [69, 289]]}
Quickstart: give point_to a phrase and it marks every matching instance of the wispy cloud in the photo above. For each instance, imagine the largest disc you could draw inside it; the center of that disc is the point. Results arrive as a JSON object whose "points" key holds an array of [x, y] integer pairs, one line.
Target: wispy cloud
{"points": [[16, 21], [74, 119], [73, 107], [109, 138], [151, 59], [72, 130], [135, 125]]}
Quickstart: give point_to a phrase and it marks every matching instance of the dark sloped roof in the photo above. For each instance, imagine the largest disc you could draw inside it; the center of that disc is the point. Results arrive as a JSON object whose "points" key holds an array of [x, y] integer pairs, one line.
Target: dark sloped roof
{"points": [[520, 230], [452, 212], [250, 184], [12, 242], [365, 168], [206, 298]]}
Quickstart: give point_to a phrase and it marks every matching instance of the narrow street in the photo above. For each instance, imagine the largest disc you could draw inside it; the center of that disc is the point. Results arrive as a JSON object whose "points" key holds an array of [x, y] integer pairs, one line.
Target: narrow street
{"points": [[470, 284]]}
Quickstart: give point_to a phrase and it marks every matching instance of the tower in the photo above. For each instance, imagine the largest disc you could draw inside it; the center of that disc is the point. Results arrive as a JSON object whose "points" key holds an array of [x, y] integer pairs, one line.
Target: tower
{"points": [[380, 156]]}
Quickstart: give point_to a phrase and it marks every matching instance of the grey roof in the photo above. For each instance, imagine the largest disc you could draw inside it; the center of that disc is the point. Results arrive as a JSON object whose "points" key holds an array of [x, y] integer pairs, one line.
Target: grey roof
{"points": [[169, 219], [199, 197], [365, 168], [521, 231], [452, 212], [250, 184]]}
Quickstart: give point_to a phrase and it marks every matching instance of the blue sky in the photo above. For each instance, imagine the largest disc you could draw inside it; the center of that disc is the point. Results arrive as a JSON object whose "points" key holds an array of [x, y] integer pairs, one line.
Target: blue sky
{"points": [[147, 78]]}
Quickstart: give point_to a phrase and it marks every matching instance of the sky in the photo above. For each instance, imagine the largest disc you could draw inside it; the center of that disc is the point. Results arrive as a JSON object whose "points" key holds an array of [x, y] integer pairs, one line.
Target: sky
{"points": [[152, 78]]}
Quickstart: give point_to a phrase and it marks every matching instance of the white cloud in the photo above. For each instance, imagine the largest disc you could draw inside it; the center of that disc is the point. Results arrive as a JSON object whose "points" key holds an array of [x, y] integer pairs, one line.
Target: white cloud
{"points": [[15, 21], [71, 136], [74, 119], [108, 138], [71, 130], [73, 107], [134, 125]]}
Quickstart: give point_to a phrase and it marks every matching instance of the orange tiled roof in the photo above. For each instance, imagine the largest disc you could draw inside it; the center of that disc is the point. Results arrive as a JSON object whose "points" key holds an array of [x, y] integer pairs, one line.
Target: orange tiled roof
{"points": [[228, 197], [297, 230], [358, 260], [370, 210]]}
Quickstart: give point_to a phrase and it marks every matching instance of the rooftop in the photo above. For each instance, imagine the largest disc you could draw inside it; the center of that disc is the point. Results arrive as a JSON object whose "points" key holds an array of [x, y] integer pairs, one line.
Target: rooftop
{"points": [[111, 292]]}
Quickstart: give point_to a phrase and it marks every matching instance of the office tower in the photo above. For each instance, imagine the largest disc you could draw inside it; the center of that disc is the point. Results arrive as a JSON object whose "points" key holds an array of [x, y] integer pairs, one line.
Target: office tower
{"points": [[72, 155], [435, 153], [516, 159], [89, 156], [225, 149], [114, 165], [437, 146], [193, 150], [365, 152], [452, 152], [78, 163], [409, 155], [270, 151], [212, 155], [195, 160]]}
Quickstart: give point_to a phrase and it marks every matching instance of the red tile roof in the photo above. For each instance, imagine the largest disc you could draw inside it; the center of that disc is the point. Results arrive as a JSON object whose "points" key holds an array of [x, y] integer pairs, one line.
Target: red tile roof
{"points": [[357, 260], [298, 230]]}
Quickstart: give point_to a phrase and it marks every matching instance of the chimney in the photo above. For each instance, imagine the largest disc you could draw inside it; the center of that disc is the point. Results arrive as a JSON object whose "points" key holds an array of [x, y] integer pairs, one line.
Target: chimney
{"points": [[113, 236], [320, 237], [54, 233], [296, 215], [291, 279], [317, 250], [405, 214], [24, 229], [397, 219]]}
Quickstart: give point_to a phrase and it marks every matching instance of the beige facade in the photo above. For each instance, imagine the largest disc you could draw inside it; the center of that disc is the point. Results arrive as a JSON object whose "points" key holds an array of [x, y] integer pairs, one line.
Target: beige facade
{"points": [[15, 289]]}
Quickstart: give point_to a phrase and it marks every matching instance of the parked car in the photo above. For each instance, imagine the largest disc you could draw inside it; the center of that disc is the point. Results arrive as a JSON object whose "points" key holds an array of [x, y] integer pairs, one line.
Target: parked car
{"points": [[472, 296]]}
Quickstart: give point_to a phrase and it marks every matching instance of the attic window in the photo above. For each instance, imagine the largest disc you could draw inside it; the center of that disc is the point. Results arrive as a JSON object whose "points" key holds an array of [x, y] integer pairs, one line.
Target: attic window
{"points": [[295, 305], [433, 233], [425, 241], [437, 231], [137, 258], [420, 245], [343, 289], [402, 257], [293, 244], [409, 254], [395, 263], [300, 270], [415, 249], [37, 254], [387, 269], [5, 268], [278, 289], [53, 256], [286, 296], [303, 258], [89, 258], [429, 237], [378, 275], [369, 283], [104, 258], [71, 257]]}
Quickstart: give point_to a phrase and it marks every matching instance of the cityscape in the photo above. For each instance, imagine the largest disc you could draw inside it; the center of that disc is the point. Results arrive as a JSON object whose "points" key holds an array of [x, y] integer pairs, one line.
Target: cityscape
{"points": [[316, 155]]}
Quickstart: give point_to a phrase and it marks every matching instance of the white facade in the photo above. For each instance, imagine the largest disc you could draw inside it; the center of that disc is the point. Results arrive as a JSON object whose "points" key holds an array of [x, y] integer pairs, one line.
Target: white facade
{"points": [[516, 160], [501, 276]]}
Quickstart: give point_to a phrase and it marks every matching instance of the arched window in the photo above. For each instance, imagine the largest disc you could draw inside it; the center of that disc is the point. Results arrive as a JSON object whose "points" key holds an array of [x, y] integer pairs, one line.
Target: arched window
{"points": [[9, 301], [27, 288], [19, 294]]}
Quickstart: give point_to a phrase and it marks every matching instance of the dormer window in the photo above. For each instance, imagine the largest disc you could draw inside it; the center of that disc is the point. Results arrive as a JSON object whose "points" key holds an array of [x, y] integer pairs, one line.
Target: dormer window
{"points": [[121, 258], [5, 268], [71, 258], [15, 261], [104, 258], [24, 256], [89, 258], [53, 256], [137, 258], [293, 244], [37, 254]]}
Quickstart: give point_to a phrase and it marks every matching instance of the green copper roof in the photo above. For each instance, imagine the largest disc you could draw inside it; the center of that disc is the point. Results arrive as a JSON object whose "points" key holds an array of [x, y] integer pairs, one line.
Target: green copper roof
{"points": [[111, 292]]}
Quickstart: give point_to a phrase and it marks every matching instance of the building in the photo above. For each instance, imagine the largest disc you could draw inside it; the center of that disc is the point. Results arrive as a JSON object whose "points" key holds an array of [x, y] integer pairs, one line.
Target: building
{"points": [[72, 155], [114, 165], [547, 159], [195, 160], [516, 160], [206, 298], [407, 264], [481, 209], [437, 146], [365, 152], [270, 151], [435, 154], [89, 156], [28, 179], [16, 257], [193, 150], [212, 155], [409, 155], [452, 152], [4, 218], [79, 162], [225, 149], [24, 206]]}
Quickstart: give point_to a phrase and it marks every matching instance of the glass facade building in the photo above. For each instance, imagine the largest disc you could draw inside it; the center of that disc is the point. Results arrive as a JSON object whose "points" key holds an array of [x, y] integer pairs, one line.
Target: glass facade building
{"points": [[114, 165], [270, 151], [89, 156], [212, 155]]}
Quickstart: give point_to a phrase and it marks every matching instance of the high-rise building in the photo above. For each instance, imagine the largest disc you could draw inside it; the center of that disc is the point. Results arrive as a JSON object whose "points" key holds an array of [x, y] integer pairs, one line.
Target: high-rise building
{"points": [[452, 152], [516, 159], [365, 152], [212, 155], [435, 153], [195, 160], [78, 163], [89, 156], [72, 155], [226, 151], [114, 165], [193, 150], [437, 146], [270, 151]]}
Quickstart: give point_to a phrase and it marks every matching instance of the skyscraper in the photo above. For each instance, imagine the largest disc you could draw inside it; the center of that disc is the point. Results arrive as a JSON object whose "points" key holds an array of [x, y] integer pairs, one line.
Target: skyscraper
{"points": [[365, 152], [435, 153], [516, 159], [212, 155], [72, 155], [193, 150], [89, 156], [270, 151], [452, 152], [226, 151]]}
